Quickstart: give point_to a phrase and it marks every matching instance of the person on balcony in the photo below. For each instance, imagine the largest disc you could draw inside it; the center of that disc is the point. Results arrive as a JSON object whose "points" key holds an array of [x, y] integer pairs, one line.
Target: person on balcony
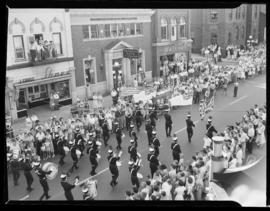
{"points": [[33, 50], [39, 50], [46, 49], [52, 49]]}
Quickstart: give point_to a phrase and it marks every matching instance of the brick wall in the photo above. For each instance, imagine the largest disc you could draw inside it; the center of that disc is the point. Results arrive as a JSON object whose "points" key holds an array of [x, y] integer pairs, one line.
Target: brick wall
{"points": [[95, 48]]}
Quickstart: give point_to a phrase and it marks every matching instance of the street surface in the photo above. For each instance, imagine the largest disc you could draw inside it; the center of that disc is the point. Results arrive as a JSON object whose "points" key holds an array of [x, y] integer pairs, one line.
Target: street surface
{"points": [[227, 110]]}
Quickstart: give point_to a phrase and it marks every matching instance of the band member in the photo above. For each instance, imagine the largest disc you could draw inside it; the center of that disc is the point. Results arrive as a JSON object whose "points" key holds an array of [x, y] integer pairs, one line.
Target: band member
{"points": [[153, 116], [61, 151], [176, 150], [27, 168], [15, 169], [168, 123], [119, 135], [43, 180], [93, 159], [133, 134], [106, 133], [67, 187], [235, 89], [134, 168], [154, 163], [77, 135], [138, 118], [113, 158], [128, 114], [81, 144], [190, 124], [155, 143], [210, 128], [132, 150], [149, 130], [73, 156]]}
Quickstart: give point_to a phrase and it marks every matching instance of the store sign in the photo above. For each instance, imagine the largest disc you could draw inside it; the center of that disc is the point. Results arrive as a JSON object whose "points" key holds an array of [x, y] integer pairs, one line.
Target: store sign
{"points": [[131, 53]]}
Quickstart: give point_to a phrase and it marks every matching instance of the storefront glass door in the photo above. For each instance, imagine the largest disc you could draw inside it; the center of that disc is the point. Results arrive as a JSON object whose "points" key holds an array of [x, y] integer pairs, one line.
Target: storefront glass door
{"points": [[118, 73], [22, 99]]}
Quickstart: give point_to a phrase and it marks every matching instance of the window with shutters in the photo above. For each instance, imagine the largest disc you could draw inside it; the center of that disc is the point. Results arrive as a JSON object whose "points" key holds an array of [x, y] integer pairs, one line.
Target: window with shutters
{"points": [[164, 29], [174, 31], [19, 47], [58, 43], [182, 27]]}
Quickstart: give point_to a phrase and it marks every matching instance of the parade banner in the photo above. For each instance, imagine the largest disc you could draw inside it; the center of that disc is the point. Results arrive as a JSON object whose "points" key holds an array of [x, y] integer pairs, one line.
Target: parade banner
{"points": [[209, 101]]}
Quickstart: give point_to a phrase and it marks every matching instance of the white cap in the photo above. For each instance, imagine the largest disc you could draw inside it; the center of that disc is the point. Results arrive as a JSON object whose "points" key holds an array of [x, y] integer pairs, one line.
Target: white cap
{"points": [[90, 142], [98, 143], [188, 114], [131, 125], [154, 132], [131, 141], [174, 138], [116, 123], [209, 120], [110, 151], [63, 176], [130, 162], [151, 150], [36, 163], [84, 190]]}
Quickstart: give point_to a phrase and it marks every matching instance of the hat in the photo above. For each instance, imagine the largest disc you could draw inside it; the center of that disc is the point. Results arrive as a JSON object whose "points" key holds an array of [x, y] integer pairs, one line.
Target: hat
{"points": [[91, 134], [174, 138], [130, 162], [167, 110], [56, 135], [154, 132], [131, 125], [188, 115], [36, 164], [151, 150], [85, 189], [77, 129], [110, 151], [90, 142], [63, 176], [209, 119], [116, 123], [131, 141], [148, 120], [9, 154]]}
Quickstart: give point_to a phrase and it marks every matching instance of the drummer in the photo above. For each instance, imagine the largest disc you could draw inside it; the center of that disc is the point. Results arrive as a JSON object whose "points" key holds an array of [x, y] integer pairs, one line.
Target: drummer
{"points": [[42, 179], [67, 187], [113, 159]]}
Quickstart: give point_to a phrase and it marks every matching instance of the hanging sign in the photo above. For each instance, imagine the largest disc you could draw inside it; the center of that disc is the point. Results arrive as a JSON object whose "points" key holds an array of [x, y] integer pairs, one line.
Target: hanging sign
{"points": [[131, 53]]}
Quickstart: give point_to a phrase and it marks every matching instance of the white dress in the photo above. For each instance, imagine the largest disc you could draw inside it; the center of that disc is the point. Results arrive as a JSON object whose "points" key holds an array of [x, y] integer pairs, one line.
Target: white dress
{"points": [[260, 135]]}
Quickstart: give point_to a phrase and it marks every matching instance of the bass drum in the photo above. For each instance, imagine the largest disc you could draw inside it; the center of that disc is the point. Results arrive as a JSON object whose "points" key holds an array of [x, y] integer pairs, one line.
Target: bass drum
{"points": [[49, 166]]}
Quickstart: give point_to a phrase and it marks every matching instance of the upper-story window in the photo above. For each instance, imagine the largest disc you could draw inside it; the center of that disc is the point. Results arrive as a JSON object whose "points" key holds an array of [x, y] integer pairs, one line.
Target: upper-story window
{"points": [[121, 30], [94, 31], [255, 14], [174, 29], [138, 28], [213, 15], [19, 47], [104, 30], [85, 29], [231, 14], [164, 29], [243, 12], [114, 30], [57, 43], [130, 29], [182, 26]]}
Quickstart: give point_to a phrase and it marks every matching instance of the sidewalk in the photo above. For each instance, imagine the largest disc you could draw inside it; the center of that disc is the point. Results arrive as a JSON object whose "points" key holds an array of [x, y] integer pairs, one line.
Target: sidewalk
{"points": [[44, 112]]}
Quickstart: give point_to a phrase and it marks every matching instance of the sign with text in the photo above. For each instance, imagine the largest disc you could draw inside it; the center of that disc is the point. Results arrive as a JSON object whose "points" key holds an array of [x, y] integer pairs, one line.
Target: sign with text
{"points": [[131, 53]]}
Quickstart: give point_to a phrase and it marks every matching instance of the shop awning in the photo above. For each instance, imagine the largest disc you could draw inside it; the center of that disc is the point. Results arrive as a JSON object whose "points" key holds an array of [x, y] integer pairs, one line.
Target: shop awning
{"points": [[42, 81]]}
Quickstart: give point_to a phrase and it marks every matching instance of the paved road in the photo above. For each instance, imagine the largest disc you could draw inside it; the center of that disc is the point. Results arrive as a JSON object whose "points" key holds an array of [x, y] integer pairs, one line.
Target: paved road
{"points": [[227, 110]]}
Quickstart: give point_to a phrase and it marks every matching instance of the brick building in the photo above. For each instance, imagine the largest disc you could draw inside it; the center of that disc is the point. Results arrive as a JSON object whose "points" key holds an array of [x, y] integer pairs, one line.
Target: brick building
{"points": [[99, 37], [221, 26], [170, 37], [39, 59]]}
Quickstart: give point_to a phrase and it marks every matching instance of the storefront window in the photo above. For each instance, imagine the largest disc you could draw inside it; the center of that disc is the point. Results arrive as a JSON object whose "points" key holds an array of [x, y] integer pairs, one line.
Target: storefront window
{"points": [[118, 76], [62, 88]]}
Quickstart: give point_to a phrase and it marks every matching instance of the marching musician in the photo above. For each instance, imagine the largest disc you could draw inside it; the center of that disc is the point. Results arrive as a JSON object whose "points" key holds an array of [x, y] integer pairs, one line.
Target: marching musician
{"points": [[113, 158], [61, 151], [106, 133], [155, 143], [134, 168], [153, 116], [132, 150], [154, 162], [133, 134], [68, 187], [27, 167], [81, 144], [168, 123], [149, 129], [138, 117], [176, 150], [92, 151], [128, 114], [119, 135], [77, 135], [210, 128], [73, 156], [15, 168], [42, 179], [189, 124]]}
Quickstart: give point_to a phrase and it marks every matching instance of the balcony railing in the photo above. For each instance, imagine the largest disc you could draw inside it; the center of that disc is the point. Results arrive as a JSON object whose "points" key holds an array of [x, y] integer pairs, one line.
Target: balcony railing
{"points": [[37, 57]]}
